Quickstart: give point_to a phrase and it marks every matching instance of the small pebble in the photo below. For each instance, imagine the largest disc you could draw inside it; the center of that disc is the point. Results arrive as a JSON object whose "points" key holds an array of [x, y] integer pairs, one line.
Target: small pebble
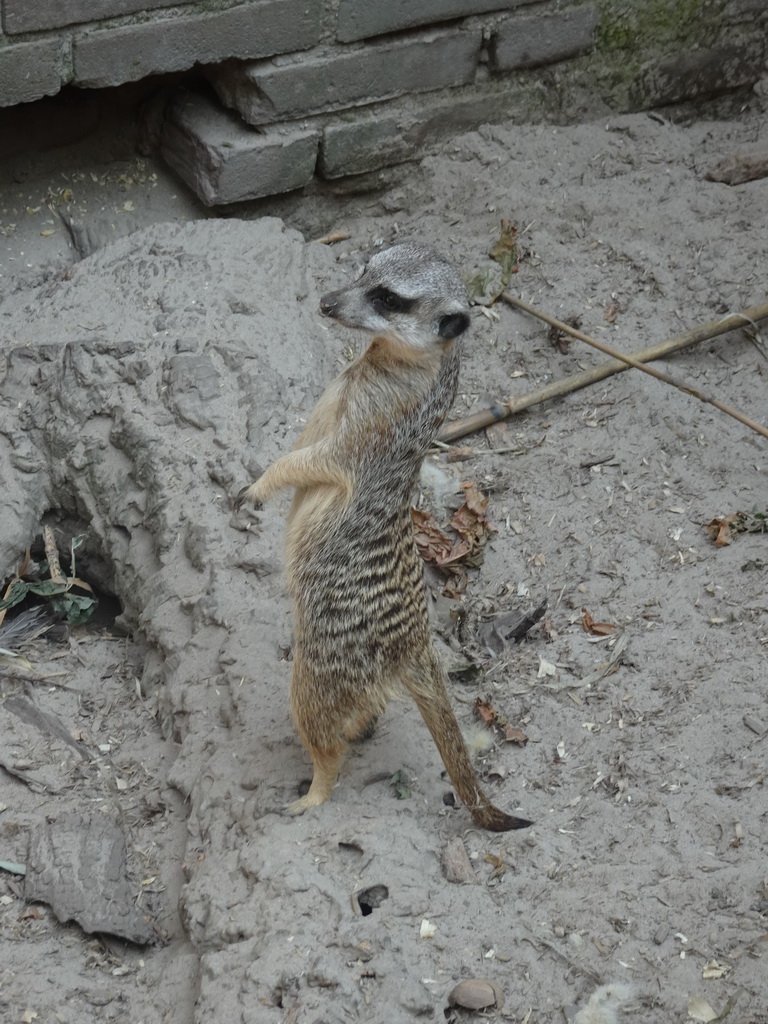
{"points": [[476, 994]]}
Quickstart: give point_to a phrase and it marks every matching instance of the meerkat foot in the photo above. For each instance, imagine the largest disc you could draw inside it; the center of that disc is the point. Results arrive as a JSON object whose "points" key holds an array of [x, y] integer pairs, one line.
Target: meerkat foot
{"points": [[323, 781], [248, 495], [313, 798], [299, 806]]}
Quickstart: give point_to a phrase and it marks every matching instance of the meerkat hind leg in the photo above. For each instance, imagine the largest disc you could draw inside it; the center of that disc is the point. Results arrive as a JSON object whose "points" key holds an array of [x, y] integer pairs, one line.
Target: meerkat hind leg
{"points": [[326, 760], [424, 681], [324, 728]]}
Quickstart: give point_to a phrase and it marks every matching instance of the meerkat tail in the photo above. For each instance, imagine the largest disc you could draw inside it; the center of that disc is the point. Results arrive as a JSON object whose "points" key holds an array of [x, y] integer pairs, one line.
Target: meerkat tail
{"points": [[432, 701]]}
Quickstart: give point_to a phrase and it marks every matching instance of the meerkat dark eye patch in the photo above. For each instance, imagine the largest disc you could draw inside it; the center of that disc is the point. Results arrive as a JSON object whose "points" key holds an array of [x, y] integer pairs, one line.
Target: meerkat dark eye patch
{"points": [[452, 325], [385, 301]]}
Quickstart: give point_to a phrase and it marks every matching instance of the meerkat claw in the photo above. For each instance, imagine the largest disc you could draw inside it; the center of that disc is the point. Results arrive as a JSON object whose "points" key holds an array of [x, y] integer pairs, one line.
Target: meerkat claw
{"points": [[245, 496]]}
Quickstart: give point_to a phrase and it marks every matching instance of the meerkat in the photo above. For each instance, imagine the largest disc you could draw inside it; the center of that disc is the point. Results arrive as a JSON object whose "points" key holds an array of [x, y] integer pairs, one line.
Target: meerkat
{"points": [[362, 632]]}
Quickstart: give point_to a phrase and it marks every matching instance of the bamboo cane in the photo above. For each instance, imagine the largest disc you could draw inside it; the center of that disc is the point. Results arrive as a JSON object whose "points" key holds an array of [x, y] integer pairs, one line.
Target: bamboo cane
{"points": [[510, 407]]}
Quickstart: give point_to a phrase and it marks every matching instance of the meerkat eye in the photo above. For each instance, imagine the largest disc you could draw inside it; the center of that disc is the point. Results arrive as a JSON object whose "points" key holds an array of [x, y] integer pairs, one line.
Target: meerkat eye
{"points": [[385, 301]]}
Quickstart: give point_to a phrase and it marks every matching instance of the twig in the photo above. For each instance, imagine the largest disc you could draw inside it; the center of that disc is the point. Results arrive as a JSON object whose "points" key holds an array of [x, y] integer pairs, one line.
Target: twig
{"points": [[52, 554], [334, 236], [503, 409], [638, 365]]}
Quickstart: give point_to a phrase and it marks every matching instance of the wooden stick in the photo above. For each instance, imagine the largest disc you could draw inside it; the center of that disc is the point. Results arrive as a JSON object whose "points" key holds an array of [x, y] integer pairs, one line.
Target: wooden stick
{"points": [[510, 407], [334, 236], [52, 555]]}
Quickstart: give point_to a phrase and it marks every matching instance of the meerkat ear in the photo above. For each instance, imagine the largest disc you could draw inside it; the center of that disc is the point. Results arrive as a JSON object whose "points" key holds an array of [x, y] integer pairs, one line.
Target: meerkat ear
{"points": [[452, 325]]}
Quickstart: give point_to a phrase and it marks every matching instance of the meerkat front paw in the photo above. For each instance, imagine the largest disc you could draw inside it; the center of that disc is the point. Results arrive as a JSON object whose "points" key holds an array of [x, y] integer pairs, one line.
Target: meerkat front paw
{"points": [[249, 495]]}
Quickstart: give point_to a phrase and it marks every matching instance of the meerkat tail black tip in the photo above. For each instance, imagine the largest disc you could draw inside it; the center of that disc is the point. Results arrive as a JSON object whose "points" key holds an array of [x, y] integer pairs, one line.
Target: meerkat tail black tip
{"points": [[494, 820]]}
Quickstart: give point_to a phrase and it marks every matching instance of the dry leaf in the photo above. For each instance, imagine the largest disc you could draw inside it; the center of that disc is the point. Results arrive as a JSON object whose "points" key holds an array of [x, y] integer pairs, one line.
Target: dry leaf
{"points": [[514, 735], [598, 628], [720, 530], [433, 544], [468, 521], [475, 499], [486, 711], [610, 313], [497, 860], [715, 970]]}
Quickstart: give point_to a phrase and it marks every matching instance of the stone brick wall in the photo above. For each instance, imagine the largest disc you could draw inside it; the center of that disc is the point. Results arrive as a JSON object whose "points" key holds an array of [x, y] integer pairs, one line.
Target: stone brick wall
{"points": [[342, 87]]}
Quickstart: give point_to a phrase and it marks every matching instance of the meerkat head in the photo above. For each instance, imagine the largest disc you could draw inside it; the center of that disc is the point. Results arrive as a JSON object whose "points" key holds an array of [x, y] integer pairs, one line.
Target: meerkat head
{"points": [[408, 291]]}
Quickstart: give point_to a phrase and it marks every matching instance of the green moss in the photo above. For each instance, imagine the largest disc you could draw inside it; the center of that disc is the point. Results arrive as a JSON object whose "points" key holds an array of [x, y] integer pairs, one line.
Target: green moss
{"points": [[659, 25], [632, 33]]}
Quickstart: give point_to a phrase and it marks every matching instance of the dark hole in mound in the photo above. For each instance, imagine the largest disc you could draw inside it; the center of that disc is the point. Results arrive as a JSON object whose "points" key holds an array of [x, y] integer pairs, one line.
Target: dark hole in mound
{"points": [[370, 899], [41, 606]]}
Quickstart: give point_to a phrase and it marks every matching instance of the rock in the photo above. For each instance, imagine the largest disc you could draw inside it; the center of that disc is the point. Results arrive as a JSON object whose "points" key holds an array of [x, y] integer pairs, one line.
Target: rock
{"points": [[455, 863], [77, 864], [476, 994]]}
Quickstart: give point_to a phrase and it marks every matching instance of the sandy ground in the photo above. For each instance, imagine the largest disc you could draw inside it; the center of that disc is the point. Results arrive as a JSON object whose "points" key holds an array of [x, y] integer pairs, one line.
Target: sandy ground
{"points": [[141, 386]]}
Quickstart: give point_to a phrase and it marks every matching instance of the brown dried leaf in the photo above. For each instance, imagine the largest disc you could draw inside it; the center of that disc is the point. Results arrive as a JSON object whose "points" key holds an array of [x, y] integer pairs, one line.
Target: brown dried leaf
{"points": [[497, 860], [720, 530], [512, 734], [610, 313], [468, 521], [486, 711], [458, 551], [475, 499], [598, 628], [432, 543]]}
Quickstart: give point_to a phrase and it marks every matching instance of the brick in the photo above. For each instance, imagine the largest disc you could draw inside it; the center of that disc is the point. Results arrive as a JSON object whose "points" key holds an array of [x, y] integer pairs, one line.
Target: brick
{"points": [[113, 56], [361, 19], [268, 91], [225, 161], [356, 147], [700, 74], [529, 42], [30, 70], [36, 15], [402, 130], [745, 10]]}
